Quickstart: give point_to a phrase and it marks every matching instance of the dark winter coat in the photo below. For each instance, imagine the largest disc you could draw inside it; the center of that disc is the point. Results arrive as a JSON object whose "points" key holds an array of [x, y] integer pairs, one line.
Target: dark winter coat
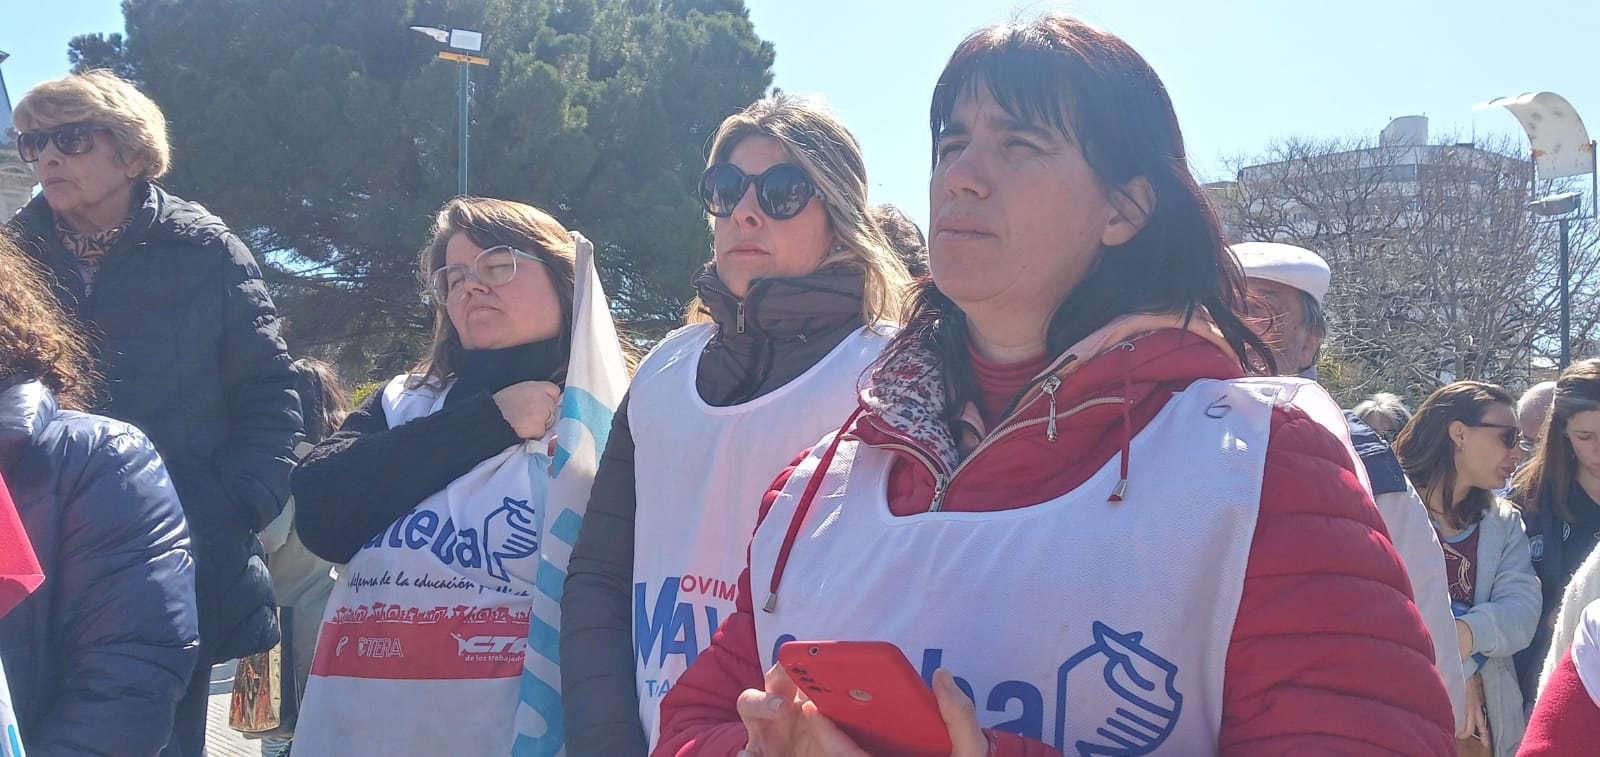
{"points": [[99, 655], [186, 338]]}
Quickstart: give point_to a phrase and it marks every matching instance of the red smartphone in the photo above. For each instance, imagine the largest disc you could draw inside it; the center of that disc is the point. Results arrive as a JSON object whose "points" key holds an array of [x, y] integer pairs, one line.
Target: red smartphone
{"points": [[870, 690]]}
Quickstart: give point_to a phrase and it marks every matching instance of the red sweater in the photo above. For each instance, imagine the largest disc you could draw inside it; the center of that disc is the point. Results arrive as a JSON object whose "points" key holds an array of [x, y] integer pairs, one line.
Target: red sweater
{"points": [[1328, 653]]}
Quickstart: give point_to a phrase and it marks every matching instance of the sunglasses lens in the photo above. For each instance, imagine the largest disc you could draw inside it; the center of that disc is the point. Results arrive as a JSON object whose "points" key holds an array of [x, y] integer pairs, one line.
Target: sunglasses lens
{"points": [[30, 143], [75, 139], [721, 186], [785, 190]]}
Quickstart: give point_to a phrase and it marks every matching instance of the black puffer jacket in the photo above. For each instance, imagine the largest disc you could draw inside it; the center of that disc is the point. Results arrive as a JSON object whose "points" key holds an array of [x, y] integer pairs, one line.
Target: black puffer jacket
{"points": [[98, 656], [187, 339]]}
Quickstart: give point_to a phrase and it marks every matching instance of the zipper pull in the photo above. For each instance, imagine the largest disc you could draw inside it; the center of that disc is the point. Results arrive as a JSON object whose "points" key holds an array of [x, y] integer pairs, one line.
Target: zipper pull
{"points": [[941, 482], [1049, 387], [739, 324]]}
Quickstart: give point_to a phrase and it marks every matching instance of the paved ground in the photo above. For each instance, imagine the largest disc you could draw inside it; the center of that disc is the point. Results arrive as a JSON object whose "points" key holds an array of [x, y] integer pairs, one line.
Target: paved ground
{"points": [[222, 741]]}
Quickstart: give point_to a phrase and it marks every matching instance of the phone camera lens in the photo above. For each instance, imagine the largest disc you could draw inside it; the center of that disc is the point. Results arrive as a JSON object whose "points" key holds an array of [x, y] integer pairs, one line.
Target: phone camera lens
{"points": [[860, 696], [814, 651]]}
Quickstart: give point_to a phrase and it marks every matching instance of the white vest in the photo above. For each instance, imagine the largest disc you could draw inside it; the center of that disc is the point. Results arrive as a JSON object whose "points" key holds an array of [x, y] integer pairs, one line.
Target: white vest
{"points": [[1100, 628], [421, 648], [700, 472]]}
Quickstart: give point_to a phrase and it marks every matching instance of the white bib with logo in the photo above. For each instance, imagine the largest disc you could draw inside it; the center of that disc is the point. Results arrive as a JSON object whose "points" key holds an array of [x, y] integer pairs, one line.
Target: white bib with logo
{"points": [[421, 648], [1100, 628], [700, 472]]}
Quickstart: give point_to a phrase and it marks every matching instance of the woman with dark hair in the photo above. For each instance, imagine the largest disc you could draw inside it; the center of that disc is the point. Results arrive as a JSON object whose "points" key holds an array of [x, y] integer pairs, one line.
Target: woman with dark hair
{"points": [[98, 657], [1557, 491], [1459, 448], [436, 492], [1058, 483]]}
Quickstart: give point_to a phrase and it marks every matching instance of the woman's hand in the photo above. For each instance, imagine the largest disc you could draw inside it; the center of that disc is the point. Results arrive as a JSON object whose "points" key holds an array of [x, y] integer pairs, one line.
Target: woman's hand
{"points": [[1464, 638], [531, 407], [782, 721]]}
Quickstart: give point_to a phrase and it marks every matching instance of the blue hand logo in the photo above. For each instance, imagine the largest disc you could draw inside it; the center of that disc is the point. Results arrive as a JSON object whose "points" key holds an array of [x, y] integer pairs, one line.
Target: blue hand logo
{"points": [[510, 533], [1132, 702]]}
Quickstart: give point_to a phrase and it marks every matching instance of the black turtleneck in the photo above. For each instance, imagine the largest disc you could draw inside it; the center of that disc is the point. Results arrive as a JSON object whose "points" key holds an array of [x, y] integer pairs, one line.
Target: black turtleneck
{"points": [[354, 484]]}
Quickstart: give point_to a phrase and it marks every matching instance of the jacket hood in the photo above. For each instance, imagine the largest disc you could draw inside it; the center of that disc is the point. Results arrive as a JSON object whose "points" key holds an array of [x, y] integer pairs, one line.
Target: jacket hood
{"points": [[903, 395]]}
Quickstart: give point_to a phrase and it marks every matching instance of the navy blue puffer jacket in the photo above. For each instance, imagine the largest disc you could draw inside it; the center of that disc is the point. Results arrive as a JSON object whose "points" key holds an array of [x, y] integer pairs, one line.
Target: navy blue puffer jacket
{"points": [[98, 656]]}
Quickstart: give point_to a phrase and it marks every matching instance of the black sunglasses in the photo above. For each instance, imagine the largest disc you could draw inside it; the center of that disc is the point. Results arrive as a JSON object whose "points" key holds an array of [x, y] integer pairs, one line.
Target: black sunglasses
{"points": [[1510, 436], [70, 139], [782, 190]]}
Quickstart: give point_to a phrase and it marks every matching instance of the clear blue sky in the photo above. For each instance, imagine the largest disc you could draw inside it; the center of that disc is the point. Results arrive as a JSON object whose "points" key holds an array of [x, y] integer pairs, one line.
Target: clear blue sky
{"points": [[1242, 73]]}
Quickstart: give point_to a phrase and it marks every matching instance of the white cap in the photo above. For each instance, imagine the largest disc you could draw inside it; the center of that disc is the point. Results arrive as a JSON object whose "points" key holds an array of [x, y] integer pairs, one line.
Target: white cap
{"points": [[1285, 264]]}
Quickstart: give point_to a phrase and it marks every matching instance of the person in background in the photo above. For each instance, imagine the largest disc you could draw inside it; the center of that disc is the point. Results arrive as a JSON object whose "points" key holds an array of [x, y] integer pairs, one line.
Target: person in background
{"points": [[1385, 414], [187, 340], [792, 307], [301, 580], [1557, 491], [1285, 286], [1533, 409], [98, 657], [904, 237], [1460, 447], [1058, 478], [433, 493]]}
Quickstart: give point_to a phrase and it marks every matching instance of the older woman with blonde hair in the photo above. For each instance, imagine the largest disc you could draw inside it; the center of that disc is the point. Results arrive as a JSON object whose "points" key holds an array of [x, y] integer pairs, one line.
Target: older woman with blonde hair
{"points": [[796, 301], [187, 339]]}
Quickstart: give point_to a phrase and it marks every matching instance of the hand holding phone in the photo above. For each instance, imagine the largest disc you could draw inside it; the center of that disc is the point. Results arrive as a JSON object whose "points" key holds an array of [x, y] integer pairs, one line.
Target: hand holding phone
{"points": [[872, 693]]}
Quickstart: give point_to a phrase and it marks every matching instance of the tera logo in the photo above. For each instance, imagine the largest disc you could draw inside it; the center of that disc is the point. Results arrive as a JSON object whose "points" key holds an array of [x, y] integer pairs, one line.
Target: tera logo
{"points": [[380, 647]]}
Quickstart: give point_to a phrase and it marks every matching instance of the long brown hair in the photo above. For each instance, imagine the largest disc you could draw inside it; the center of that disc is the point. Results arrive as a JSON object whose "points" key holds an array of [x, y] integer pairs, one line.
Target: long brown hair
{"points": [[1061, 73], [489, 222], [327, 406], [1553, 468], [38, 340], [1428, 455], [816, 141]]}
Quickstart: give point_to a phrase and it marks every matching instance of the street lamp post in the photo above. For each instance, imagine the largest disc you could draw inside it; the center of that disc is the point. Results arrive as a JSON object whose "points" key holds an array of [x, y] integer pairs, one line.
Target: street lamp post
{"points": [[462, 43], [1561, 207], [1561, 148]]}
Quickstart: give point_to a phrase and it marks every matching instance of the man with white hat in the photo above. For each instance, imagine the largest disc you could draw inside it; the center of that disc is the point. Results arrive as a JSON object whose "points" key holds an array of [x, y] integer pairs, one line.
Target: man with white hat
{"points": [[1285, 288]]}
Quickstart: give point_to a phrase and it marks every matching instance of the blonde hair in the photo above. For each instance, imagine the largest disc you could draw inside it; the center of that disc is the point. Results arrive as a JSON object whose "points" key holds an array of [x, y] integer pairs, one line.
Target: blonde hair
{"points": [[101, 97], [815, 140], [488, 223]]}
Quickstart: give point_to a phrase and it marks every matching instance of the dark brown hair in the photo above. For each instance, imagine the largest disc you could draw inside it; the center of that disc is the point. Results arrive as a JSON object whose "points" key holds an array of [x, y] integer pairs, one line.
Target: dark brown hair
{"points": [[1060, 73], [1553, 467], [327, 406], [905, 238], [38, 340], [1428, 455]]}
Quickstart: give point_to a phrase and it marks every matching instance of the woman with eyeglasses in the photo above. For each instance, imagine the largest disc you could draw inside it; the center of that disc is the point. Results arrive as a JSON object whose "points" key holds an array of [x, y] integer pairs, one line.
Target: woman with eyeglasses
{"points": [[1459, 448], [432, 492], [793, 305], [1557, 491], [186, 338]]}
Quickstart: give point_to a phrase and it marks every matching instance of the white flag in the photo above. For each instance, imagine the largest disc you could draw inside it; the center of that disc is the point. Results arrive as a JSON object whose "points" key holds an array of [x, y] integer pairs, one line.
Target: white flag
{"points": [[10, 740], [597, 376]]}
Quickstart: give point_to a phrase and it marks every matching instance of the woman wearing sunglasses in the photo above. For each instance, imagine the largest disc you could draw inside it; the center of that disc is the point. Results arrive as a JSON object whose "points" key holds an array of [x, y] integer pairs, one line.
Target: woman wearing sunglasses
{"points": [[1557, 491], [1459, 448], [432, 492], [187, 340], [790, 310], [1060, 487]]}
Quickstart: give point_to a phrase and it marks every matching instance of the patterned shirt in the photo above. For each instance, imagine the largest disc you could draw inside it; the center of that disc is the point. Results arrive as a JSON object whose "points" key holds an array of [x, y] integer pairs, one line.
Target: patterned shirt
{"points": [[89, 249]]}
